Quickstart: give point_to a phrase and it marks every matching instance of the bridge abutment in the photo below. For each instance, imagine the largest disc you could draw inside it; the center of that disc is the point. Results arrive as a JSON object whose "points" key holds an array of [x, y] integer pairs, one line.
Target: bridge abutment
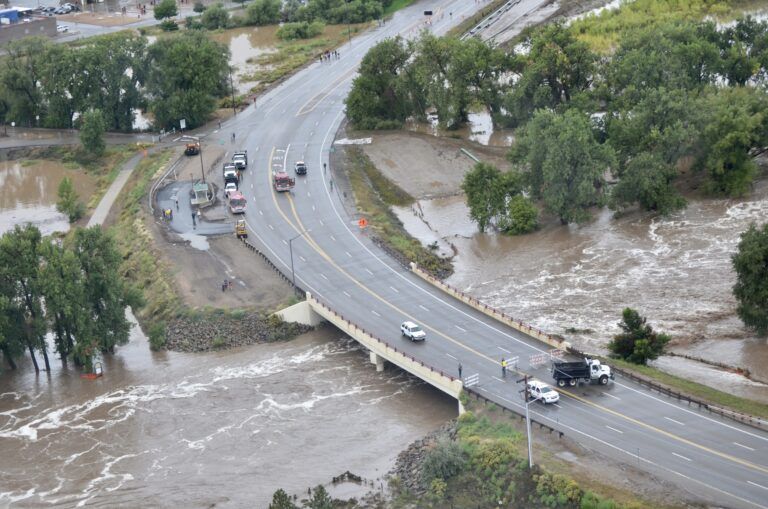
{"points": [[378, 360], [302, 313]]}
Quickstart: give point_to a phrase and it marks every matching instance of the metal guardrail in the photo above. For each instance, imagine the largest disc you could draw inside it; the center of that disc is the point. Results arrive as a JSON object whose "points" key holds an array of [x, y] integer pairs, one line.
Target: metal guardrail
{"points": [[299, 291], [541, 425]]}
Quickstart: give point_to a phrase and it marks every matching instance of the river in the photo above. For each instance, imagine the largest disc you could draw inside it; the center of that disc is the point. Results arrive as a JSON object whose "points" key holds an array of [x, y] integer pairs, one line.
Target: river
{"points": [[226, 428], [676, 271]]}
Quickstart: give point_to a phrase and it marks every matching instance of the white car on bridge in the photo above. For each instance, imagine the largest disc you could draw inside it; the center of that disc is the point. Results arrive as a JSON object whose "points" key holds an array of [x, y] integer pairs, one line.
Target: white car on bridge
{"points": [[542, 392], [413, 331]]}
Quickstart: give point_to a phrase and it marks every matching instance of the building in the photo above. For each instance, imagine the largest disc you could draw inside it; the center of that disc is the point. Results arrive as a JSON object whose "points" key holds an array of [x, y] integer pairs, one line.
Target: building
{"points": [[19, 22]]}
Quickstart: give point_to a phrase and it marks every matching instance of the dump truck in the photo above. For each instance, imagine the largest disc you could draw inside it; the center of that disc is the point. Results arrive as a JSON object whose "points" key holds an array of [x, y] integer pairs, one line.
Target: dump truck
{"points": [[241, 232], [282, 181], [192, 149], [240, 159], [585, 370]]}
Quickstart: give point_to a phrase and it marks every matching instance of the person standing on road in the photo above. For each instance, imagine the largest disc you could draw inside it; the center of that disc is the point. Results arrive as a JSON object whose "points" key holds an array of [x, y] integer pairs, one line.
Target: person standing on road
{"points": [[331, 181], [460, 370], [177, 204], [503, 368], [194, 222]]}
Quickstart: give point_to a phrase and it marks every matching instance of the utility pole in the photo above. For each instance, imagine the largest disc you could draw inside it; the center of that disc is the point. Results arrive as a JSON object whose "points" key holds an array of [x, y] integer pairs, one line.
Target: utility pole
{"points": [[526, 395]]}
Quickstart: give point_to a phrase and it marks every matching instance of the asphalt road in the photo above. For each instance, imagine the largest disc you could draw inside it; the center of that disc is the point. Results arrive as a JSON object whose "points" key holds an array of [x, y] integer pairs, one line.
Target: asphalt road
{"points": [[716, 460]]}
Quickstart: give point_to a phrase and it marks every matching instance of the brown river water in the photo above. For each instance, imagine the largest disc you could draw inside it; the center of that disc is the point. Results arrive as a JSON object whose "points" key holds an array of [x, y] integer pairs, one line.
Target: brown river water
{"points": [[676, 271], [28, 194], [195, 430]]}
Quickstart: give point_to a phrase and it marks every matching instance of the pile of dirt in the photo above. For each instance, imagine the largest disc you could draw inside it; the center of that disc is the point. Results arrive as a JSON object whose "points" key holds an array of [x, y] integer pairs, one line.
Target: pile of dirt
{"points": [[211, 331]]}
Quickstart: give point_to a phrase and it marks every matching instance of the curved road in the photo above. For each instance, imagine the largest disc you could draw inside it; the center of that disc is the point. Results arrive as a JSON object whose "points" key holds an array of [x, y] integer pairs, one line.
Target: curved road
{"points": [[717, 461]]}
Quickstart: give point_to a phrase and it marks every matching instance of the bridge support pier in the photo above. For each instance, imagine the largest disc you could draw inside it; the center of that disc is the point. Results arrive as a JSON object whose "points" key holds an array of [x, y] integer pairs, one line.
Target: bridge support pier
{"points": [[378, 360], [462, 410]]}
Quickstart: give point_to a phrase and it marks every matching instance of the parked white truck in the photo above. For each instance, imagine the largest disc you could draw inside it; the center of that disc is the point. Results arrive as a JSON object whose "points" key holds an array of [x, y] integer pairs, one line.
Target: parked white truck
{"points": [[585, 370]]}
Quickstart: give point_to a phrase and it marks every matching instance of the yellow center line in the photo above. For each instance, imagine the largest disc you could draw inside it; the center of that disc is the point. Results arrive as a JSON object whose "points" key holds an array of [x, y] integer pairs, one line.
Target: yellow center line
{"points": [[321, 252]]}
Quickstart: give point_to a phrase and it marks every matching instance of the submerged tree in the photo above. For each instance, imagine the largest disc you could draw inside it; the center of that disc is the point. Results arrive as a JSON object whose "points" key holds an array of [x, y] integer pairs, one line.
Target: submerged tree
{"points": [[751, 289], [638, 343]]}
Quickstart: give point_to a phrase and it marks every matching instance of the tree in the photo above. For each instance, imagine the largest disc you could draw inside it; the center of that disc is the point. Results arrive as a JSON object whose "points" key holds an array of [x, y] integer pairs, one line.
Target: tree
{"points": [[443, 461], [485, 198], [648, 181], [263, 12], [377, 97], [20, 74], [185, 75], [563, 163], [20, 258], [92, 128], [557, 68], [69, 202], [11, 345], [751, 289], [320, 499], [638, 343], [215, 16], [521, 216], [280, 500], [166, 9]]}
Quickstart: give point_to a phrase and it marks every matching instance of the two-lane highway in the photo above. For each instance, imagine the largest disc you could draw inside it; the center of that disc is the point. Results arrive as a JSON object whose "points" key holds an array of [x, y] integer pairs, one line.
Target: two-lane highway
{"points": [[716, 460]]}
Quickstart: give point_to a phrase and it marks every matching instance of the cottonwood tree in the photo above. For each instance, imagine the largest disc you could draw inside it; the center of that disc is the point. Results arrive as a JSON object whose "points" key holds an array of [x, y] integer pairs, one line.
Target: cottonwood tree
{"points": [[751, 289], [263, 12], [69, 203], [166, 9], [92, 128]]}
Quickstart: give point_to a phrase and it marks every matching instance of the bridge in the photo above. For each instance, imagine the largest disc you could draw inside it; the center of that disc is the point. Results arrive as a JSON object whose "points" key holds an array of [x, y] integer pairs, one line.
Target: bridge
{"points": [[352, 283]]}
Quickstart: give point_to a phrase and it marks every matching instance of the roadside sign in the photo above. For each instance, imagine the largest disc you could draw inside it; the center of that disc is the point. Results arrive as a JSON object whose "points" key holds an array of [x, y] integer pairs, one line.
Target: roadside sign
{"points": [[538, 359], [556, 353], [183, 123], [362, 223], [427, 13]]}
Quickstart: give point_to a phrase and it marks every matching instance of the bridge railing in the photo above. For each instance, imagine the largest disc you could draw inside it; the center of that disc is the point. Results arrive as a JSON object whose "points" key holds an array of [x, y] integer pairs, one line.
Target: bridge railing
{"points": [[299, 291], [541, 425]]}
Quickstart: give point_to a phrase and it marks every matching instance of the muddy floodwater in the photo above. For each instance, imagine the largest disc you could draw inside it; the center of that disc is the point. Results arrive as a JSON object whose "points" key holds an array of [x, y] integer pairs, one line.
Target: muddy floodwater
{"points": [[197, 430], [479, 128], [247, 44], [676, 271], [28, 194]]}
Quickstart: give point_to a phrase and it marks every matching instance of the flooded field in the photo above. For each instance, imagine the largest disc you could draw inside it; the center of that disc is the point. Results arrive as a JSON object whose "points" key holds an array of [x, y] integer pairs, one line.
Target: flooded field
{"points": [[28, 194], [201, 430], [676, 271], [479, 129], [245, 45]]}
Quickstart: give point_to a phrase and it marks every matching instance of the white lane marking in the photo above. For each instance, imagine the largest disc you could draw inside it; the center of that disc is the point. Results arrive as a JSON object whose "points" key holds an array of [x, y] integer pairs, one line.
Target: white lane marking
{"points": [[323, 276], [375, 313], [422, 307], [681, 456], [614, 429], [302, 259], [743, 446], [611, 396], [251, 186], [333, 238], [557, 405], [285, 242], [260, 212], [369, 272], [313, 208], [461, 329], [308, 194], [503, 349], [499, 379], [321, 222], [317, 122], [758, 485], [347, 252], [451, 356], [271, 227], [676, 422], [345, 293], [395, 289]]}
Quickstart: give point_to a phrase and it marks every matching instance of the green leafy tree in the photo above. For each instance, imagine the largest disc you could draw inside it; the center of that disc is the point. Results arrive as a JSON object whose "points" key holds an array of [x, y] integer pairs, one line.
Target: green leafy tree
{"points": [[637, 343], [92, 130], [563, 163], [485, 196], [215, 16], [281, 500], [648, 181], [557, 68], [69, 203], [521, 216], [377, 96], [186, 73], [263, 12], [300, 30], [320, 499], [199, 7], [11, 345], [445, 460], [166, 9], [751, 289], [20, 261], [732, 122], [20, 74]]}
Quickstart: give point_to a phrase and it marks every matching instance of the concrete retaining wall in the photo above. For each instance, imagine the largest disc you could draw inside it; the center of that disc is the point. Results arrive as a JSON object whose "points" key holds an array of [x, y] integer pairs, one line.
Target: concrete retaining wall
{"points": [[302, 313], [443, 381], [490, 311]]}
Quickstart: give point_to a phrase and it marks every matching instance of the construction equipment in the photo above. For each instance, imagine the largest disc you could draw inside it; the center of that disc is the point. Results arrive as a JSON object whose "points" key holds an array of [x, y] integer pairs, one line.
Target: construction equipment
{"points": [[240, 230], [282, 181], [192, 149], [240, 159]]}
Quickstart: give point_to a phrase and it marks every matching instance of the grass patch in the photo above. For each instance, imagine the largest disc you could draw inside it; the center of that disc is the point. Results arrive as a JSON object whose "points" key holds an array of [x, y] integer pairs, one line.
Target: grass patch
{"points": [[396, 5], [696, 390], [373, 203], [603, 31], [142, 264]]}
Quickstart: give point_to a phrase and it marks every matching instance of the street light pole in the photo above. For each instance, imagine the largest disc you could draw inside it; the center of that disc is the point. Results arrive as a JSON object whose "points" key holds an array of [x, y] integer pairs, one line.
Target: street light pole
{"points": [[202, 167], [526, 395], [232, 86], [290, 248]]}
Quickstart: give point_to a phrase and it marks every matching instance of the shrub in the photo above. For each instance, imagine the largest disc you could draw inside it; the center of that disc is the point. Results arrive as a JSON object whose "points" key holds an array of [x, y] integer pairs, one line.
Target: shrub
{"points": [[68, 201], [300, 30], [443, 461], [168, 26], [263, 12], [751, 288], [521, 217], [199, 7], [166, 9], [157, 336], [215, 17], [218, 342], [638, 343]]}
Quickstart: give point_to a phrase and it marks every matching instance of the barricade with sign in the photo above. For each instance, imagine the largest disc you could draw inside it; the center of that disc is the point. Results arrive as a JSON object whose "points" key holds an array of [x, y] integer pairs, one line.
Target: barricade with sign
{"points": [[471, 380]]}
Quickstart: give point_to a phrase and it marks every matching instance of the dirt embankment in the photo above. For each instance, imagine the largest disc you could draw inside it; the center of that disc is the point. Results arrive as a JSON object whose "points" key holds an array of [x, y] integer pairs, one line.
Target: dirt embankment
{"points": [[427, 166]]}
